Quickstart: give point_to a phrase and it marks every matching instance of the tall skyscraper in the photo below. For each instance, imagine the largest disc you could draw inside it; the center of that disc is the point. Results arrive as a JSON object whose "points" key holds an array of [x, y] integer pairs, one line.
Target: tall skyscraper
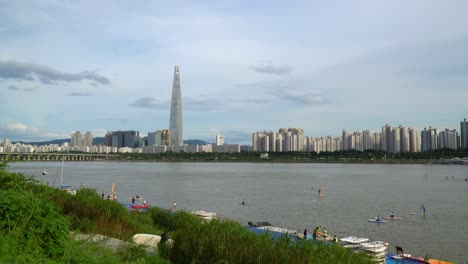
{"points": [[176, 126]]}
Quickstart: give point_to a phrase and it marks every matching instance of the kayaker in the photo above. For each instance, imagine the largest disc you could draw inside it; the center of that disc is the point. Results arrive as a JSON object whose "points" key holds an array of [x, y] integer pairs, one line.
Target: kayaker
{"points": [[377, 218], [392, 215]]}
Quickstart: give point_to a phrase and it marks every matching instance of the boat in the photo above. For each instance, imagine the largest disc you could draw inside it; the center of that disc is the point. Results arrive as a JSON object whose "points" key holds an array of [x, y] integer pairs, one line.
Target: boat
{"points": [[377, 221], [68, 188], [374, 244], [354, 240], [204, 215], [258, 224]]}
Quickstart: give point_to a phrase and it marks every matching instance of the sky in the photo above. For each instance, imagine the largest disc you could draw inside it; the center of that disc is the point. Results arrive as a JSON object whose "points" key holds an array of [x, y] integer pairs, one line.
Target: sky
{"points": [[245, 66]]}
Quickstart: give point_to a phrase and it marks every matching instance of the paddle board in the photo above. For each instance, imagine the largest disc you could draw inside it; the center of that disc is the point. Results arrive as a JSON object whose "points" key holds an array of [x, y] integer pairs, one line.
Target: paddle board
{"points": [[401, 257], [375, 221], [393, 218]]}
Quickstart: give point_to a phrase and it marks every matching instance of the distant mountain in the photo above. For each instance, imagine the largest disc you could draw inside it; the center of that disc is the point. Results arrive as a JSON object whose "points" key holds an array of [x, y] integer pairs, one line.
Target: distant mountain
{"points": [[100, 141], [194, 142]]}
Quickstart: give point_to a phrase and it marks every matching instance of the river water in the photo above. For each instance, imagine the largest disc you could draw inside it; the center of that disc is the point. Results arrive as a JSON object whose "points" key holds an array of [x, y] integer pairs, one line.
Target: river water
{"points": [[286, 194]]}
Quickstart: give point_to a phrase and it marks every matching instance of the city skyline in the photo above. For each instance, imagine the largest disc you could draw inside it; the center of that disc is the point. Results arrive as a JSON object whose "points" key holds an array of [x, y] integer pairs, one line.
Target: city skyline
{"points": [[323, 67]]}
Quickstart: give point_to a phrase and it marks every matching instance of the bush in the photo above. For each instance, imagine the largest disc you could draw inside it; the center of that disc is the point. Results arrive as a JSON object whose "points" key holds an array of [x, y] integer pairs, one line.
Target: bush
{"points": [[34, 222]]}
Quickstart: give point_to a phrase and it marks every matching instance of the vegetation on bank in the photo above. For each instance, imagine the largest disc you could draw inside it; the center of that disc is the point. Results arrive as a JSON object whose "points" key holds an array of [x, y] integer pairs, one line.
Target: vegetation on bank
{"points": [[36, 221], [352, 156]]}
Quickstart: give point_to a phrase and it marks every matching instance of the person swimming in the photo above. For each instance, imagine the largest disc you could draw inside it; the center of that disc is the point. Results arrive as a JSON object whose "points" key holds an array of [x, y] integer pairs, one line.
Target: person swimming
{"points": [[243, 202]]}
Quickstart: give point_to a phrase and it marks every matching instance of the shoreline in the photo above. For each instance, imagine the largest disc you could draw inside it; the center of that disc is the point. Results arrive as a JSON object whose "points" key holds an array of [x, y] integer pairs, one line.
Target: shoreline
{"points": [[302, 161]]}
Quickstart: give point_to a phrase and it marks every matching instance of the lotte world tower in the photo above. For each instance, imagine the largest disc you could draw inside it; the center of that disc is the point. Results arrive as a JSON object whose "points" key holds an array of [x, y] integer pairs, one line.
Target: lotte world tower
{"points": [[176, 126]]}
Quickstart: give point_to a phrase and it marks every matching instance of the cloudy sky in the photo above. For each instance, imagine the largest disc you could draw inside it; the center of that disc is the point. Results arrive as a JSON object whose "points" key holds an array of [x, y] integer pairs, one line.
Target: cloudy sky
{"points": [[245, 66]]}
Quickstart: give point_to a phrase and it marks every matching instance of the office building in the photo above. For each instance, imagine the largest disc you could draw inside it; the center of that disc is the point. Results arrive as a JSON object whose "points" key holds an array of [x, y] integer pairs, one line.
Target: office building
{"points": [[119, 139], [176, 116], [154, 138]]}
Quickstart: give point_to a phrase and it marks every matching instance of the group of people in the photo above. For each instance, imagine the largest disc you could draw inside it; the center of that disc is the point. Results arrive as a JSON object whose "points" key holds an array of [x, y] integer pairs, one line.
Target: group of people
{"points": [[318, 230]]}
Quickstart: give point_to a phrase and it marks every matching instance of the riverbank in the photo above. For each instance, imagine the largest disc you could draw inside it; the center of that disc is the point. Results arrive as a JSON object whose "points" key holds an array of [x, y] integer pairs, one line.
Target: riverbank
{"points": [[40, 219]]}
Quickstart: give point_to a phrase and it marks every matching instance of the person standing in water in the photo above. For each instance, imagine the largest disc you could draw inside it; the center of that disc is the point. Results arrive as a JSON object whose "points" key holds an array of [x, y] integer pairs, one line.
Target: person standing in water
{"points": [[174, 206]]}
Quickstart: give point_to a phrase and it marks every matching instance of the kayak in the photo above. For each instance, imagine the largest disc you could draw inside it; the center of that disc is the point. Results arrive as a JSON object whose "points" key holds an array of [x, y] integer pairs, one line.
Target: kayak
{"points": [[141, 206], [377, 221]]}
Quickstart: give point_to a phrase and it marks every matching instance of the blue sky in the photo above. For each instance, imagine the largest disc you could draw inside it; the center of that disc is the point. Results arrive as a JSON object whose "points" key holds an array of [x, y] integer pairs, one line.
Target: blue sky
{"points": [[245, 66]]}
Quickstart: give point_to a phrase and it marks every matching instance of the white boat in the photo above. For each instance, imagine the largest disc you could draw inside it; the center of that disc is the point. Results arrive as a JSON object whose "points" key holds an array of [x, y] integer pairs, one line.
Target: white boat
{"points": [[354, 240], [374, 244], [204, 215], [376, 249], [69, 189]]}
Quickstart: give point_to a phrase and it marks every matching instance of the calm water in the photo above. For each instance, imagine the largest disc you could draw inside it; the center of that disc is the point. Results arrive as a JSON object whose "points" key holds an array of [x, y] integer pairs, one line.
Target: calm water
{"points": [[287, 196]]}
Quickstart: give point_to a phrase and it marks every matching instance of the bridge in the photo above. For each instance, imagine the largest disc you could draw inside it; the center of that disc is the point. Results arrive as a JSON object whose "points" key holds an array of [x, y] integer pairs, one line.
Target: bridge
{"points": [[56, 156]]}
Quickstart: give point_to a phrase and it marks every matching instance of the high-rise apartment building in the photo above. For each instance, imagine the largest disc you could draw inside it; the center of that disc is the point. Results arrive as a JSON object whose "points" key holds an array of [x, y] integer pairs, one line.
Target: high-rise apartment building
{"points": [[429, 139], [219, 140], [414, 140], [176, 126], [464, 134], [448, 139], [87, 139], [76, 139], [404, 139]]}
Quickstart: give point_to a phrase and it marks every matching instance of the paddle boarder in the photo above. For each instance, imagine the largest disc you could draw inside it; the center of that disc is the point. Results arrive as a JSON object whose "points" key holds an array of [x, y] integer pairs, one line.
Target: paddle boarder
{"points": [[399, 251], [423, 209], [133, 199]]}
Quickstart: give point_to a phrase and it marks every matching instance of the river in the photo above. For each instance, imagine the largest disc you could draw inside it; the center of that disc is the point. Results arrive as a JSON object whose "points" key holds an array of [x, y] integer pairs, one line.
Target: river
{"points": [[286, 194]]}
